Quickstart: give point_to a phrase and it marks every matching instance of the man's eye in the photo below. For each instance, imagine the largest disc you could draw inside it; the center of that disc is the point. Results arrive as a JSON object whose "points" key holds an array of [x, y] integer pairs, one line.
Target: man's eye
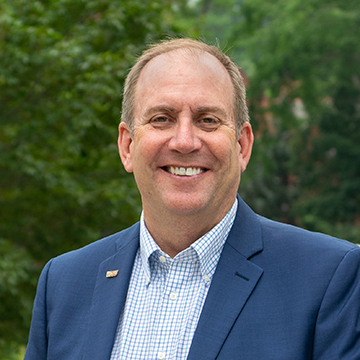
{"points": [[208, 123], [208, 120], [160, 119], [161, 122]]}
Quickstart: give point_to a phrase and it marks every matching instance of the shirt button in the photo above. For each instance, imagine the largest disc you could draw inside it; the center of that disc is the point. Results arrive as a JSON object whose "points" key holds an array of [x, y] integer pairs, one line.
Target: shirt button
{"points": [[162, 258], [172, 296], [161, 355], [207, 278]]}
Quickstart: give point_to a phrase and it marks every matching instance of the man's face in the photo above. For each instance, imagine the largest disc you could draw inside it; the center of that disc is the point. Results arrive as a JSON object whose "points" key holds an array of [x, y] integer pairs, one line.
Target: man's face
{"points": [[184, 152]]}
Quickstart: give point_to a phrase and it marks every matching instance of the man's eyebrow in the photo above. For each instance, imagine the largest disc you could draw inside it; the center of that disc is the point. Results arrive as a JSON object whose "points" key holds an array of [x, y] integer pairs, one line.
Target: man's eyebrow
{"points": [[202, 109], [213, 110], [156, 109]]}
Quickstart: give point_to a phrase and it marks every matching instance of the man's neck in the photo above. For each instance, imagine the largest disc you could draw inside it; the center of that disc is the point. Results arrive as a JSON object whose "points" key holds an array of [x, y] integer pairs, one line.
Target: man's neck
{"points": [[176, 232]]}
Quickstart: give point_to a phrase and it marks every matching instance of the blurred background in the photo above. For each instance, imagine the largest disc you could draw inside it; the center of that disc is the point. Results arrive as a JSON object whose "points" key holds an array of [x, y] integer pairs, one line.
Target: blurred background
{"points": [[62, 66]]}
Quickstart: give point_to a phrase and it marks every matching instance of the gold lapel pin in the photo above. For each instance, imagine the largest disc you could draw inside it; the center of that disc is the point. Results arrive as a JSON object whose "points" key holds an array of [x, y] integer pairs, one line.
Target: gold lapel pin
{"points": [[112, 273]]}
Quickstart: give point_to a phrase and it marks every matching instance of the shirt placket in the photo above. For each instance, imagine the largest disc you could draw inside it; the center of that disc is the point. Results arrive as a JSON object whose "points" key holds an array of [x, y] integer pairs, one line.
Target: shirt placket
{"points": [[169, 321]]}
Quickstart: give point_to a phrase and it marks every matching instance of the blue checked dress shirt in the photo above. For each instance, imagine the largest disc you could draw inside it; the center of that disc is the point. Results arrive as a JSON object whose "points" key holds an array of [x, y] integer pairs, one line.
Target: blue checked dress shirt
{"points": [[166, 296]]}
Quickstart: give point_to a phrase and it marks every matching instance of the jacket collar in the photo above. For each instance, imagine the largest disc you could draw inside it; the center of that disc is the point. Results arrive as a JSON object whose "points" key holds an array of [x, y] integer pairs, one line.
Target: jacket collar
{"points": [[109, 296], [234, 281]]}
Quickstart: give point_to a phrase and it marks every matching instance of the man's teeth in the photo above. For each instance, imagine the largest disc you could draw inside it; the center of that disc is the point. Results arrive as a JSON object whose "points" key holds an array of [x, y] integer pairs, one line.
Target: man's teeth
{"points": [[184, 171]]}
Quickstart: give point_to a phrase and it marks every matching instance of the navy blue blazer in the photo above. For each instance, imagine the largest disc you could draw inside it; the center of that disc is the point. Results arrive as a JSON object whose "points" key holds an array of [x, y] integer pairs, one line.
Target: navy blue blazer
{"points": [[278, 293]]}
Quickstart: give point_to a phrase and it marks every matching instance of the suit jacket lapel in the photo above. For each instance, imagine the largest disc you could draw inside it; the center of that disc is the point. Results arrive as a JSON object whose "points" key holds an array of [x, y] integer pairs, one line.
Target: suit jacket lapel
{"points": [[109, 297], [233, 282]]}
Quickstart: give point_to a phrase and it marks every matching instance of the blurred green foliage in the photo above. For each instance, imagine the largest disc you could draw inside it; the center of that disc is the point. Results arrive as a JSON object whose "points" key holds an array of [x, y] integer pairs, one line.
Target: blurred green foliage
{"points": [[17, 281], [305, 94], [62, 66]]}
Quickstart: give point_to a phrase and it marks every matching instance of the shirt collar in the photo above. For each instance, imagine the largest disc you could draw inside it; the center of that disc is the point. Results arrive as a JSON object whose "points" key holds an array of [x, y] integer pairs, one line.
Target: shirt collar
{"points": [[208, 247]]}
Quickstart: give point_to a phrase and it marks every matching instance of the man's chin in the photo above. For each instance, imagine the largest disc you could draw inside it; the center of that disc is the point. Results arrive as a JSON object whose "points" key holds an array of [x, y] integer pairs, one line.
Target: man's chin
{"points": [[186, 205]]}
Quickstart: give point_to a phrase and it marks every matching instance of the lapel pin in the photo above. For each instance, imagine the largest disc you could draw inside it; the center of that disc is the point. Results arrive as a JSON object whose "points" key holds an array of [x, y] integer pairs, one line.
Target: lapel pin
{"points": [[112, 273]]}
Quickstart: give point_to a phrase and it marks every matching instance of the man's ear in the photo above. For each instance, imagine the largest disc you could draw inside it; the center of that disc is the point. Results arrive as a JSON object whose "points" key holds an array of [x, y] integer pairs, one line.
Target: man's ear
{"points": [[246, 140], [126, 144]]}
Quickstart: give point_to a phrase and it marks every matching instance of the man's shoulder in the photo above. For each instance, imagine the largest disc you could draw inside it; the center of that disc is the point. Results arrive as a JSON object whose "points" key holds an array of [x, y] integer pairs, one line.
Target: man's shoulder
{"points": [[296, 239], [97, 251]]}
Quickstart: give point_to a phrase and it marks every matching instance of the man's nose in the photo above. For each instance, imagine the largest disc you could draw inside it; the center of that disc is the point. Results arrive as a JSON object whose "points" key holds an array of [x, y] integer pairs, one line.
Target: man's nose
{"points": [[185, 138]]}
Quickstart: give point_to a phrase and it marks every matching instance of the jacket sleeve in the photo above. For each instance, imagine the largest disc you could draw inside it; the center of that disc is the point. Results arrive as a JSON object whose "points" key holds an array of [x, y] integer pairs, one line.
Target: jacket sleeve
{"points": [[337, 333], [37, 344]]}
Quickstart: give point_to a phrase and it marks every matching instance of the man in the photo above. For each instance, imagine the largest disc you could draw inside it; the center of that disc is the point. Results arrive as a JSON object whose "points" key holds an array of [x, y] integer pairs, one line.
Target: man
{"points": [[201, 276]]}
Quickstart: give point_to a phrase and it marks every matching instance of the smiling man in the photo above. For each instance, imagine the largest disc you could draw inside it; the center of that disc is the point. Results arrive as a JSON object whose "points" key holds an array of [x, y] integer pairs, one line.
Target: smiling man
{"points": [[183, 146], [201, 276]]}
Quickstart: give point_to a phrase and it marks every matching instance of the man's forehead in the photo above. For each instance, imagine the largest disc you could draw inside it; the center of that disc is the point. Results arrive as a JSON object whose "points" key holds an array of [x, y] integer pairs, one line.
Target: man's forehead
{"points": [[191, 57], [182, 78]]}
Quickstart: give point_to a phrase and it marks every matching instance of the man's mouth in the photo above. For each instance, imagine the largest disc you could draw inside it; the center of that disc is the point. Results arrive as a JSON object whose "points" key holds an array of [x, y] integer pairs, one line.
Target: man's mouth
{"points": [[184, 171]]}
